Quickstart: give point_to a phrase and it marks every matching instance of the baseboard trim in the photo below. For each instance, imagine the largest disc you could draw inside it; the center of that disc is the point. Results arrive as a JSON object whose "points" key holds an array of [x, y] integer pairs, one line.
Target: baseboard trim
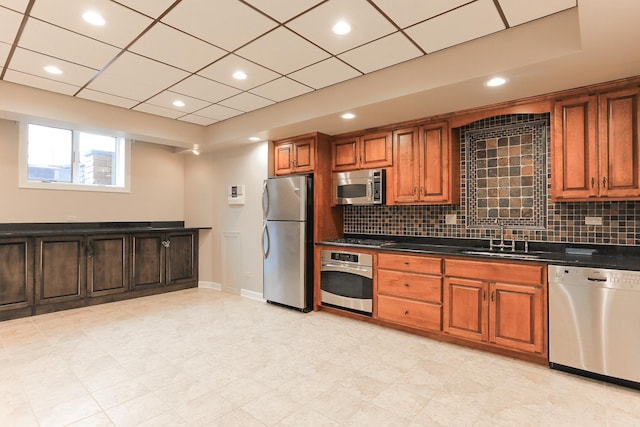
{"points": [[210, 285], [252, 295]]}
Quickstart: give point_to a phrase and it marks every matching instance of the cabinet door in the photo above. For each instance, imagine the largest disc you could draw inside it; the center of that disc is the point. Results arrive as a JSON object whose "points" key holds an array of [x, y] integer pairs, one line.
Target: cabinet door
{"points": [[107, 264], [516, 317], [59, 269], [344, 153], [435, 164], [147, 262], [182, 264], [283, 158], [416, 314], [16, 278], [303, 158], [376, 150], [574, 169], [405, 176], [464, 309], [618, 144]]}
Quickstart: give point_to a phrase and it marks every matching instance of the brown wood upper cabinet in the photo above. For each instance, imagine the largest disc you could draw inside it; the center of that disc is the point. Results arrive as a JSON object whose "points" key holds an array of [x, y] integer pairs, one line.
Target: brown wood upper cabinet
{"points": [[427, 165], [362, 152], [294, 155], [595, 147]]}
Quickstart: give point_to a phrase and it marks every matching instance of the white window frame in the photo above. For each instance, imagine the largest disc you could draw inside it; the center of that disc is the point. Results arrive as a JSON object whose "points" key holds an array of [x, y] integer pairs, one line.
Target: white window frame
{"points": [[25, 182]]}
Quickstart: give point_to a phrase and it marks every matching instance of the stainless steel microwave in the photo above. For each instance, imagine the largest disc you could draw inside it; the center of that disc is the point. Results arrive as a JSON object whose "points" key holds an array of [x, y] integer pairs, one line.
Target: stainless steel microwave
{"points": [[362, 187]]}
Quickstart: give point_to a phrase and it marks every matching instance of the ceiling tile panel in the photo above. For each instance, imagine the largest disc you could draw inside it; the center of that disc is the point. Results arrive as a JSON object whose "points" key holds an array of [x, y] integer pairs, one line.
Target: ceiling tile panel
{"points": [[366, 23], [367, 58], [246, 102], [325, 73], [153, 8], [283, 51], [226, 23], [39, 82], [518, 12], [205, 89], [158, 111], [199, 120], [408, 12], [222, 71], [166, 98], [105, 98], [132, 76], [283, 10], [123, 25], [30, 62], [60, 43], [174, 47], [218, 112], [10, 23], [281, 89], [458, 26], [17, 5], [4, 52]]}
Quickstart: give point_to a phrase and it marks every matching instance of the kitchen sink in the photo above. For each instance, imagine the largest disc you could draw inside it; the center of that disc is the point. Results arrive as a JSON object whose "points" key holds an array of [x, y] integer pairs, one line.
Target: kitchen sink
{"points": [[500, 254]]}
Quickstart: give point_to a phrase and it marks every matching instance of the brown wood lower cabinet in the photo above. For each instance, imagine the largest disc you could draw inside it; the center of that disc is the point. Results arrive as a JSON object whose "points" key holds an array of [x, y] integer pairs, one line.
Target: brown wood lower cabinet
{"points": [[107, 264], [60, 270], [16, 277], [181, 258]]}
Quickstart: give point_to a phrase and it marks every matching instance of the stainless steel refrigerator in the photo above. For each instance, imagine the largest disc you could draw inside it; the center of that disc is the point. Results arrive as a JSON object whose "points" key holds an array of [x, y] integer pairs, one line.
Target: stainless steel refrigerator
{"points": [[287, 241]]}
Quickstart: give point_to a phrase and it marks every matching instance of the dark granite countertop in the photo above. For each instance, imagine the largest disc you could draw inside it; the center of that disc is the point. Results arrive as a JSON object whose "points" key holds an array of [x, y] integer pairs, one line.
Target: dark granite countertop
{"points": [[581, 255], [75, 228]]}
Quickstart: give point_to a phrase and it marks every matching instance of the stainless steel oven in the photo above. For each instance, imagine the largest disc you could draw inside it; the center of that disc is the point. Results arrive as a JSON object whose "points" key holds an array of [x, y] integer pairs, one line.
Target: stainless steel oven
{"points": [[346, 280]]}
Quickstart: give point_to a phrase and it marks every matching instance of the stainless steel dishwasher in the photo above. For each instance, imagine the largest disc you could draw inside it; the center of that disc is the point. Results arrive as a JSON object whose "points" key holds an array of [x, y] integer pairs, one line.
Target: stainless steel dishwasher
{"points": [[594, 322]]}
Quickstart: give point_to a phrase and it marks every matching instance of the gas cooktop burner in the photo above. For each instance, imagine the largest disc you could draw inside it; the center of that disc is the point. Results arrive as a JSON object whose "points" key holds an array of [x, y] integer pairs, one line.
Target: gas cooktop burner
{"points": [[352, 241]]}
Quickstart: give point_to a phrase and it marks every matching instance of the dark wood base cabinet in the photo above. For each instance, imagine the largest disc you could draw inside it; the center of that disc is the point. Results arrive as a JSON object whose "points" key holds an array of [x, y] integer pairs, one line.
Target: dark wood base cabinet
{"points": [[42, 274]]}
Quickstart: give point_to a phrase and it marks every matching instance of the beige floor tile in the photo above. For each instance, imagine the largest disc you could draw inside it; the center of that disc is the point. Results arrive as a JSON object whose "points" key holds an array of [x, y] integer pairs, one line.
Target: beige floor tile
{"points": [[67, 412], [98, 420], [120, 393], [137, 410]]}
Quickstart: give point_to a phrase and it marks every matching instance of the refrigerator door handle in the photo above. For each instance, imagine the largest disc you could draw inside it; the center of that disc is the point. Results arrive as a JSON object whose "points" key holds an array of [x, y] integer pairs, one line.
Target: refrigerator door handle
{"points": [[265, 233], [265, 200]]}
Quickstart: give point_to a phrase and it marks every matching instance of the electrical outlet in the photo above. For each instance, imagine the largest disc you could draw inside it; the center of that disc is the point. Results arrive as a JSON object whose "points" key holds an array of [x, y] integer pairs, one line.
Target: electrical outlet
{"points": [[593, 220], [451, 219]]}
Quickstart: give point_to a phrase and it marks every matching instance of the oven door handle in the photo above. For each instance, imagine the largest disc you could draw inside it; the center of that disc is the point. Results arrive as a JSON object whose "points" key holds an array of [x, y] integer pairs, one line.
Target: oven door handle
{"points": [[347, 269]]}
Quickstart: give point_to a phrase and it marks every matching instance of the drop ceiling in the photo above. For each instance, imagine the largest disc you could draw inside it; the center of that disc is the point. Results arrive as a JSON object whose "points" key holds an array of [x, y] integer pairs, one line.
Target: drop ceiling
{"points": [[151, 53]]}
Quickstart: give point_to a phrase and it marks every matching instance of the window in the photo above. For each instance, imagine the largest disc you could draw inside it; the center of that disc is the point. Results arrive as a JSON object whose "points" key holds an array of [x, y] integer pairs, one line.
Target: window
{"points": [[61, 158]]}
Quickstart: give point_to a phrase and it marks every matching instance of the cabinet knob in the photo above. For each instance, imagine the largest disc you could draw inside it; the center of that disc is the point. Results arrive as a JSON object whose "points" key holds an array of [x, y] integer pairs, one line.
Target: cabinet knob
{"points": [[604, 182], [415, 190], [493, 296], [166, 243], [406, 312], [406, 285], [593, 182]]}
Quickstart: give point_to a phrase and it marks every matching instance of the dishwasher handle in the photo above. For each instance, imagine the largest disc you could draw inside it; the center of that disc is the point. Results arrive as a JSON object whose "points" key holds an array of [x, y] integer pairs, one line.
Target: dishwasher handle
{"points": [[597, 279]]}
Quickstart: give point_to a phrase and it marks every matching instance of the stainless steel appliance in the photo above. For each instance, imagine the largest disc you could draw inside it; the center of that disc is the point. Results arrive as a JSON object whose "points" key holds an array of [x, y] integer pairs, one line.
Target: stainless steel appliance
{"points": [[362, 187], [287, 241], [346, 280], [593, 322]]}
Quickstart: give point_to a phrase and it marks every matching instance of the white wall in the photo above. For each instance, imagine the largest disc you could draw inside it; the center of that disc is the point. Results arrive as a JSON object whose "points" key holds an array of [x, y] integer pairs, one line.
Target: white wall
{"points": [[231, 254]]}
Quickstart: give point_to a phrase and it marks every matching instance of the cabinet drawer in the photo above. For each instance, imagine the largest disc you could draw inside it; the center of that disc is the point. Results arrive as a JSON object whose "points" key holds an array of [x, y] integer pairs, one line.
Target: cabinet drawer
{"points": [[422, 315], [410, 285], [418, 264], [496, 271]]}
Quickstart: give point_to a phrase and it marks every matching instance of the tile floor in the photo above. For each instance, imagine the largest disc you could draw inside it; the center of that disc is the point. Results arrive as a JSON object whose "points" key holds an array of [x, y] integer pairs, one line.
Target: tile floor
{"points": [[206, 358]]}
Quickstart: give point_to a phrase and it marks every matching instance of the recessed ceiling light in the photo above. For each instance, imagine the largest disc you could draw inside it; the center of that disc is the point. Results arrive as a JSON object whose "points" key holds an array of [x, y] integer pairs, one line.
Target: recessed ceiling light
{"points": [[348, 116], [341, 28], [496, 81], [52, 69], [93, 18], [254, 138], [196, 149], [178, 103], [239, 75]]}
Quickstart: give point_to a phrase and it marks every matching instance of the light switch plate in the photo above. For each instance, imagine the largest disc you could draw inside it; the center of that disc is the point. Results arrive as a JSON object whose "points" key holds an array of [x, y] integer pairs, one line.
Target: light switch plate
{"points": [[593, 220], [451, 219]]}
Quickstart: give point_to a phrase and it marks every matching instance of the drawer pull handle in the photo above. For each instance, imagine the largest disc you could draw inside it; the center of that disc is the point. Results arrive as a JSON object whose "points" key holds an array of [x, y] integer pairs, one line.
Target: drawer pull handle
{"points": [[406, 312], [406, 285], [406, 263]]}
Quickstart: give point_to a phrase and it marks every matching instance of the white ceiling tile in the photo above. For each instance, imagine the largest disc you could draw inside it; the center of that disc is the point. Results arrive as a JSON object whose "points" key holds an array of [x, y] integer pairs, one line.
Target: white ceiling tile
{"points": [[60, 43], [30, 62], [281, 89], [222, 71], [366, 24], [246, 102], [283, 10], [174, 47], [283, 51], [10, 23], [218, 112], [518, 12], [123, 25], [39, 82], [105, 98], [367, 58], [4, 52], [226, 23], [135, 77], [409, 12], [458, 26], [325, 73], [153, 8], [166, 98], [158, 111], [199, 120], [17, 5], [202, 88]]}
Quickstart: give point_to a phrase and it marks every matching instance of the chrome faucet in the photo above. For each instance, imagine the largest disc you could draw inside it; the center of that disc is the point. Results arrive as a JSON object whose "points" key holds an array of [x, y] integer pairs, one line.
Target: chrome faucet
{"points": [[501, 245]]}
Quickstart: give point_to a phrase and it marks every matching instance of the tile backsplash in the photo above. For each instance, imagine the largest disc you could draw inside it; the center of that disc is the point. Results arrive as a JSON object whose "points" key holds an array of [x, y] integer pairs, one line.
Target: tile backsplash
{"points": [[515, 150]]}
